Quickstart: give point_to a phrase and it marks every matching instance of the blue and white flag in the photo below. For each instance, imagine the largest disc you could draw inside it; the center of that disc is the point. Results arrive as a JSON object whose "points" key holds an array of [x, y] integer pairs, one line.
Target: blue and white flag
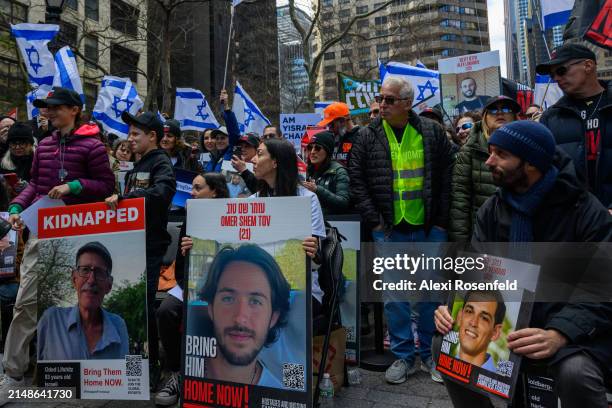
{"points": [[67, 72], [192, 110], [116, 96], [38, 93], [248, 115], [236, 2], [32, 40], [426, 83], [547, 92], [161, 117], [556, 12], [419, 64], [320, 106]]}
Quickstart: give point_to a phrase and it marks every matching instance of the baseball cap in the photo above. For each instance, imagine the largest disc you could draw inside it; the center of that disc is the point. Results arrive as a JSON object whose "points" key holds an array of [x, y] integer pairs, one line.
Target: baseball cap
{"points": [[250, 139], [564, 53], [173, 126], [516, 108], [220, 129], [146, 119], [334, 111], [432, 114], [59, 96], [99, 249], [20, 131]]}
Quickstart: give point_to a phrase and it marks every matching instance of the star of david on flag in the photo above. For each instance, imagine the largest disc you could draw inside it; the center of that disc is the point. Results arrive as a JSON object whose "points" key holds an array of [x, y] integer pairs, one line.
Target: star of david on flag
{"points": [[116, 96], [32, 40], [423, 80], [193, 111], [37, 93], [249, 116]]}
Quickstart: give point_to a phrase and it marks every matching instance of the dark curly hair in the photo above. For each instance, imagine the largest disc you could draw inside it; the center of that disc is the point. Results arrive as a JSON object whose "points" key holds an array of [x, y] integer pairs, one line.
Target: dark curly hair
{"points": [[255, 255]]}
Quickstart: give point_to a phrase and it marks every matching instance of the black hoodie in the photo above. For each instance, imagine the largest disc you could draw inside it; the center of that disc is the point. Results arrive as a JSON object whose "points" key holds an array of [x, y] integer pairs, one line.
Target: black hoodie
{"points": [[153, 178]]}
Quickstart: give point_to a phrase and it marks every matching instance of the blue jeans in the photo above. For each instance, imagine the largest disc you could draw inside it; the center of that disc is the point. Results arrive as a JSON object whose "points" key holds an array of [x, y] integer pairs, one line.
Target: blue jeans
{"points": [[8, 292], [398, 314]]}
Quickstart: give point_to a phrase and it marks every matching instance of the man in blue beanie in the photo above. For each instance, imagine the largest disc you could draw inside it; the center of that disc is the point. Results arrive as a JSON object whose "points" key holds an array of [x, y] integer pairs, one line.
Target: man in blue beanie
{"points": [[540, 199]]}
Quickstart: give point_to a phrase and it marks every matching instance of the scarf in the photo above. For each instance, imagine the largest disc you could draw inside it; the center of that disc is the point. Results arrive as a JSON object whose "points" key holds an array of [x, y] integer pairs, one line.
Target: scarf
{"points": [[525, 205]]}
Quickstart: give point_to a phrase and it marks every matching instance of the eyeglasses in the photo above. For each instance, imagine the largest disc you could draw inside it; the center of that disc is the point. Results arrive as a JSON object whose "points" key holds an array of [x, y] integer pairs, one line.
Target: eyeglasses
{"points": [[268, 136], [18, 143], [495, 111], [465, 126], [314, 147], [100, 274], [562, 70], [389, 100]]}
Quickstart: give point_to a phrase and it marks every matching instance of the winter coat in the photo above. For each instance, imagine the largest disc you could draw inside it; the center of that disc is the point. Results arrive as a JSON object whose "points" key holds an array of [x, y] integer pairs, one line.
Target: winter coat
{"points": [[332, 188], [564, 121], [85, 159], [249, 180], [568, 213], [233, 131], [153, 178], [344, 145], [371, 174], [186, 162], [18, 165], [472, 184]]}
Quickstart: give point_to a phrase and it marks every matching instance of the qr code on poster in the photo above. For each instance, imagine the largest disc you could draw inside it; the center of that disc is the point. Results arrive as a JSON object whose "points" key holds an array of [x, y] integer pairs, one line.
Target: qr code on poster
{"points": [[350, 334], [505, 367], [293, 376], [133, 366]]}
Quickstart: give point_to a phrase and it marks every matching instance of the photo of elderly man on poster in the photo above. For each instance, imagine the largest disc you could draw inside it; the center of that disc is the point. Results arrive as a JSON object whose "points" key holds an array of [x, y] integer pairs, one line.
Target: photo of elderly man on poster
{"points": [[85, 331]]}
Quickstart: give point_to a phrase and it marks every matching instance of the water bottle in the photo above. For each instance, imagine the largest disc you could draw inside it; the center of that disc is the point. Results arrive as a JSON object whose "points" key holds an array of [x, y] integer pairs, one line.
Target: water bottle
{"points": [[326, 395]]}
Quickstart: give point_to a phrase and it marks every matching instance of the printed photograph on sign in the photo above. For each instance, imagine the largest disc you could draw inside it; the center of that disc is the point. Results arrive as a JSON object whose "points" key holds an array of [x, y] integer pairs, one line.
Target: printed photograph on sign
{"points": [[475, 352], [247, 335], [92, 326], [468, 81]]}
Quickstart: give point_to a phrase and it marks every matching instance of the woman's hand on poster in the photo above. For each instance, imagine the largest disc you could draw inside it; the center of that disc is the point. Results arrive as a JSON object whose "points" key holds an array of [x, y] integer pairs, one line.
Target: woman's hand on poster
{"points": [[16, 221], [536, 343], [310, 245], [112, 201], [59, 191], [186, 245], [443, 319]]}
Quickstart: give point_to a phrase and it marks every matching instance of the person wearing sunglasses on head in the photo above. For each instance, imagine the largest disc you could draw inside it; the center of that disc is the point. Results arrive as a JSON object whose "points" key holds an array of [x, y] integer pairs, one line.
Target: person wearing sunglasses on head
{"points": [[581, 121], [327, 178], [472, 182], [399, 171]]}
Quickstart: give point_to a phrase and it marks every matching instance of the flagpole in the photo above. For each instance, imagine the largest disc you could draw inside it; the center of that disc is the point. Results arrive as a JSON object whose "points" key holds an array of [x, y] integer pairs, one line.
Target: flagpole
{"points": [[229, 43]]}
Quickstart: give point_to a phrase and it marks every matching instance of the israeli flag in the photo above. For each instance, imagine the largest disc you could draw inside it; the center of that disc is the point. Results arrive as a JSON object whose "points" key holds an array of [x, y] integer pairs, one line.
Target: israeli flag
{"points": [[38, 93], [547, 92], [161, 117], [192, 110], [425, 82], [556, 12], [419, 64], [320, 106], [248, 115], [67, 72], [116, 96], [32, 40]]}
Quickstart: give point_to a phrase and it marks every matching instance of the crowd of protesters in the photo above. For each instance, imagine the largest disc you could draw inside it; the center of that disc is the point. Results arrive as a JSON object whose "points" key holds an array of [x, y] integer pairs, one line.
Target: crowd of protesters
{"points": [[497, 174]]}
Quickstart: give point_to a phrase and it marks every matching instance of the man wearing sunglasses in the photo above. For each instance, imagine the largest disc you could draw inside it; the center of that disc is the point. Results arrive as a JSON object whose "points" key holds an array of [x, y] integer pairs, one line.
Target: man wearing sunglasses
{"points": [[85, 331], [337, 119], [581, 120], [400, 170]]}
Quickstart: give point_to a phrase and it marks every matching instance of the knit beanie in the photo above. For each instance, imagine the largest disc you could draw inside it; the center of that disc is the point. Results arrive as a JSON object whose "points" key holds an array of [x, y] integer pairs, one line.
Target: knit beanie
{"points": [[20, 131], [529, 140], [326, 140]]}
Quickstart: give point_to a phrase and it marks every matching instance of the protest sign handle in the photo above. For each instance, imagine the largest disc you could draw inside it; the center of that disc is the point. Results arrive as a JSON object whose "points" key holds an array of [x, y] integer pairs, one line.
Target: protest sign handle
{"points": [[545, 92], [229, 44]]}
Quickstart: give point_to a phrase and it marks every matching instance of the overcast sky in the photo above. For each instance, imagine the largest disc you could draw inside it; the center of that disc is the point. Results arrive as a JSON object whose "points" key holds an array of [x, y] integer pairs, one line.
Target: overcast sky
{"points": [[496, 30]]}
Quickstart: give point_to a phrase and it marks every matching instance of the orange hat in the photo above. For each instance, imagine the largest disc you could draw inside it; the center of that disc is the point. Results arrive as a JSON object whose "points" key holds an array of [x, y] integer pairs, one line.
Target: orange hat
{"points": [[334, 111]]}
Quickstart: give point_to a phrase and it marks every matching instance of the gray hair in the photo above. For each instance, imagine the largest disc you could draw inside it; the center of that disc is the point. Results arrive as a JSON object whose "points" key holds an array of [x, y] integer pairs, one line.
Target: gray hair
{"points": [[405, 87]]}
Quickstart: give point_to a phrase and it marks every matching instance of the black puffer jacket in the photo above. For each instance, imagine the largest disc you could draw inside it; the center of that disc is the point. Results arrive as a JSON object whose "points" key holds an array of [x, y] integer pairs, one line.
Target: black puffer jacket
{"points": [[568, 213], [371, 174], [564, 121]]}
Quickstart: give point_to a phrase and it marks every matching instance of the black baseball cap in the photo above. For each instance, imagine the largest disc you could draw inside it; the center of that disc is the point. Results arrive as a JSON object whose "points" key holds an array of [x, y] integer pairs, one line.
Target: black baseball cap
{"points": [[516, 108], [59, 96], [97, 248], [145, 119], [564, 53], [250, 139], [173, 126]]}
